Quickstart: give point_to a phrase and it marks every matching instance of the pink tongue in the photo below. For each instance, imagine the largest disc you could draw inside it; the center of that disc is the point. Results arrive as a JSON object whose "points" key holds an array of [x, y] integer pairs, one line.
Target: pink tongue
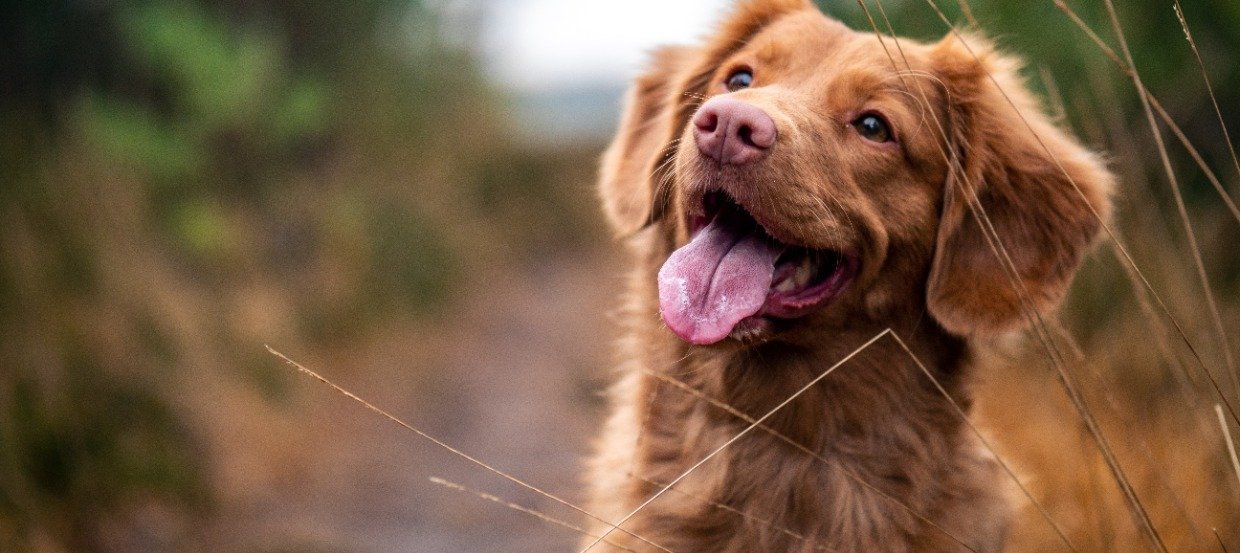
{"points": [[719, 278]]}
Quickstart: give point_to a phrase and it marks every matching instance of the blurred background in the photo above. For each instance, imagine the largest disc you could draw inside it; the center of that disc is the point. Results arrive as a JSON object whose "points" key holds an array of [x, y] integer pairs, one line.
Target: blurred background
{"points": [[398, 194]]}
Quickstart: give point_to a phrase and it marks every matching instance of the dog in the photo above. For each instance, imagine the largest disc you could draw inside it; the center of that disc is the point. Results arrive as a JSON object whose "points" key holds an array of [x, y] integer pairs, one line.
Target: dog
{"points": [[790, 190]]}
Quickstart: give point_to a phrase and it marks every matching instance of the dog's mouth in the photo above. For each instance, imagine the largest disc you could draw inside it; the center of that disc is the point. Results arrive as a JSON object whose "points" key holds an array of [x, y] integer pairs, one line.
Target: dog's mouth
{"points": [[732, 275]]}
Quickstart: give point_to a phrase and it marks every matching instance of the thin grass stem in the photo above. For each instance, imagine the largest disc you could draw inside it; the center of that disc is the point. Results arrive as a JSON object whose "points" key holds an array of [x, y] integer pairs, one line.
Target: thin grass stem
{"points": [[454, 450], [1205, 76], [1231, 446], [1194, 247], [522, 509]]}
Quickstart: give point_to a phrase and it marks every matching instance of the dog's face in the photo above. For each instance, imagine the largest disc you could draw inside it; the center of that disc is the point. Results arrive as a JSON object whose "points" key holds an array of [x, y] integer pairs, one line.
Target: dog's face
{"points": [[807, 174]]}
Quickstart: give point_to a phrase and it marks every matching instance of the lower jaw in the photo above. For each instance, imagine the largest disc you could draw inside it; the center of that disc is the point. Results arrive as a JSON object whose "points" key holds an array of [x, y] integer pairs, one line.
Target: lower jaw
{"points": [[762, 326]]}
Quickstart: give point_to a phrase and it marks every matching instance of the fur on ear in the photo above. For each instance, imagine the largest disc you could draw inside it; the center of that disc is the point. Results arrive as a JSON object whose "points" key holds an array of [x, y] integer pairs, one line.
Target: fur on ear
{"points": [[1043, 225], [659, 106], [626, 179]]}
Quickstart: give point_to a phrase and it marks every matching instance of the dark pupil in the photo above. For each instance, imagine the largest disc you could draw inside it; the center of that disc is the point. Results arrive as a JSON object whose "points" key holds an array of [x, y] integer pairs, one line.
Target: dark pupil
{"points": [[739, 80], [873, 128]]}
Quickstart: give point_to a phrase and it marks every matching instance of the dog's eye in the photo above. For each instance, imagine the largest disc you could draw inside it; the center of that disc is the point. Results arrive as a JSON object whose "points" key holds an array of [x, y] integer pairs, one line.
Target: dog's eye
{"points": [[872, 128], [739, 79]]}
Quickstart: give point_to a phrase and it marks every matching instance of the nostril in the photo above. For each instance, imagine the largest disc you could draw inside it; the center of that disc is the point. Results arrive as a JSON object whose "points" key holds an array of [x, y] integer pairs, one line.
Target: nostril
{"points": [[706, 121], [745, 133]]}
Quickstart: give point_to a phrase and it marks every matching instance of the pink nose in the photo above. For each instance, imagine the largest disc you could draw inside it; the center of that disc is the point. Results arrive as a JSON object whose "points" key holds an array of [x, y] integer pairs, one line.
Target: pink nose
{"points": [[733, 132]]}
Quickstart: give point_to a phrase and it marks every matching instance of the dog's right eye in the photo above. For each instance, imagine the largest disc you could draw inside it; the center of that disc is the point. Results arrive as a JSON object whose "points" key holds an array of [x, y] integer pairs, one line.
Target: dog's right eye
{"points": [[739, 79], [873, 128]]}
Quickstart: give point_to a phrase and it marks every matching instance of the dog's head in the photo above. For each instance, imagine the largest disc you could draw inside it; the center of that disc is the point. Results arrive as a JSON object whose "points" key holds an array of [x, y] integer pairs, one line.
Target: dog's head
{"points": [[807, 174]]}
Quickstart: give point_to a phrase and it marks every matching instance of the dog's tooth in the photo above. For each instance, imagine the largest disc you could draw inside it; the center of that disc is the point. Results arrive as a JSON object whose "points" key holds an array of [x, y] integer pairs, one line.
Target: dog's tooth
{"points": [[804, 271], [785, 285]]}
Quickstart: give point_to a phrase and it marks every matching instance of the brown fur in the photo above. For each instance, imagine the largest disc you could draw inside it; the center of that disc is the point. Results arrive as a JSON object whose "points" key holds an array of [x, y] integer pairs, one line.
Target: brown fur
{"points": [[890, 451]]}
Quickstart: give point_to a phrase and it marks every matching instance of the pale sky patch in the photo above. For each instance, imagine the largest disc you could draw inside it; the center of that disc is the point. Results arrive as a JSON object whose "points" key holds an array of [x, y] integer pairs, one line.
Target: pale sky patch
{"points": [[537, 45]]}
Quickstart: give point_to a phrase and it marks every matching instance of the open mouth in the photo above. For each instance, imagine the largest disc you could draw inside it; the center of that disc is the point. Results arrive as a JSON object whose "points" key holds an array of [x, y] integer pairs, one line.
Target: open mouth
{"points": [[732, 273]]}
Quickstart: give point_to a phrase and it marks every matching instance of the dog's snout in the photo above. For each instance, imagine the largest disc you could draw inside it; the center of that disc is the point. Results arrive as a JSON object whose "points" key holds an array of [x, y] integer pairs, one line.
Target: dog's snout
{"points": [[733, 132]]}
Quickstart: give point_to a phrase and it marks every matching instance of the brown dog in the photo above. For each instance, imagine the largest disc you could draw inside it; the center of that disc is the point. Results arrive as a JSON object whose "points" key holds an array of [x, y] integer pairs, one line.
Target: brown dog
{"points": [[791, 189]]}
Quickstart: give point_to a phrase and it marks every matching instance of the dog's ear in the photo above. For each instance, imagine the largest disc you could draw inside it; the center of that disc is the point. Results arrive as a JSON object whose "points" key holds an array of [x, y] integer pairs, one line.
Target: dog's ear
{"points": [[1043, 194], [658, 107], [626, 180]]}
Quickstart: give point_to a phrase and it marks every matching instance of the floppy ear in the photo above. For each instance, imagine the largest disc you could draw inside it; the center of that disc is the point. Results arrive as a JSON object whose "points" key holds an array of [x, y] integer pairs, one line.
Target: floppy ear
{"points": [[626, 180], [1033, 192], [659, 105]]}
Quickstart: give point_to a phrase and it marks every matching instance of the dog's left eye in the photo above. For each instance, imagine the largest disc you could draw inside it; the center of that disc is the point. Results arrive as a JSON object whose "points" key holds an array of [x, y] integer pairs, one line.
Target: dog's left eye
{"points": [[739, 79], [873, 128]]}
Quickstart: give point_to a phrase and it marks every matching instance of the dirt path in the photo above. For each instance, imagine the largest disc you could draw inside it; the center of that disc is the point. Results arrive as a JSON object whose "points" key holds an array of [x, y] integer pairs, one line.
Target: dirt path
{"points": [[512, 378]]}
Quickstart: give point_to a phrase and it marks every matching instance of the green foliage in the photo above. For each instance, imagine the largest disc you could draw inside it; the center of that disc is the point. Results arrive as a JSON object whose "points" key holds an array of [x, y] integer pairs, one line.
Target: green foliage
{"points": [[201, 229], [223, 79], [216, 84], [136, 137]]}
